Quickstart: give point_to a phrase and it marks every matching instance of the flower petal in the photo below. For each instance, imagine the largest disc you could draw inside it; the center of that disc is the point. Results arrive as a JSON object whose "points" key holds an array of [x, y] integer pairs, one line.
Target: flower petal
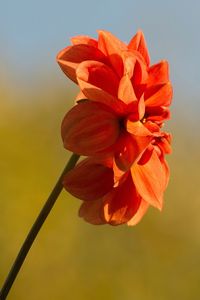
{"points": [[89, 128], [138, 43], [112, 47], [158, 74], [99, 75], [119, 175], [146, 155], [99, 88], [158, 96], [89, 180], [136, 110], [157, 113], [135, 67], [125, 91], [92, 212], [84, 39], [69, 58], [164, 143], [128, 150], [137, 128], [139, 214], [121, 203], [150, 180]]}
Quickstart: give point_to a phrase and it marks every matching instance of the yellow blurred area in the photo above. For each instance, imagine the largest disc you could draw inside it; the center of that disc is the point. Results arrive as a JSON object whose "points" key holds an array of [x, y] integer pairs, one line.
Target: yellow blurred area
{"points": [[157, 259]]}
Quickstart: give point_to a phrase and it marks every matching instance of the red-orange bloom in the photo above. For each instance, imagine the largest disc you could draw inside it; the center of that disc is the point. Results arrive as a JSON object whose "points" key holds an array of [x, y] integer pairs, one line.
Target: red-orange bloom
{"points": [[118, 125], [112, 72], [114, 196]]}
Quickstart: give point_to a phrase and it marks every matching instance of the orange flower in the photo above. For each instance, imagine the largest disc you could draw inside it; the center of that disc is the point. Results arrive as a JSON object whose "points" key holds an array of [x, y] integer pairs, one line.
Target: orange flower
{"points": [[114, 73], [126, 171], [115, 197], [117, 123]]}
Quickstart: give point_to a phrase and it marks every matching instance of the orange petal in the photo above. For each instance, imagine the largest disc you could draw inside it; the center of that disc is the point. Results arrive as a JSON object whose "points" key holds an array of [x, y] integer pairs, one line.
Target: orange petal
{"points": [[112, 47], [150, 180], [136, 110], [89, 128], [139, 214], [119, 175], [138, 43], [69, 58], [135, 67], [137, 128], [157, 113], [121, 203], [96, 94], [89, 180], [153, 127], [128, 150], [136, 70], [159, 96], [101, 88], [129, 60], [125, 91], [146, 155], [92, 212], [99, 75], [83, 39], [158, 74], [164, 143]]}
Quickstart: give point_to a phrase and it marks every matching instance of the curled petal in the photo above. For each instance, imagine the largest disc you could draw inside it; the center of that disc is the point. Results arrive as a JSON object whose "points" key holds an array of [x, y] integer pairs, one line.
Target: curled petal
{"points": [[140, 74], [146, 155], [137, 128], [89, 180], [128, 150], [125, 91], [89, 128], [164, 143], [119, 175], [69, 58], [84, 39], [157, 113], [121, 203], [158, 74], [139, 214], [153, 127], [92, 212], [150, 180], [135, 67], [136, 110], [112, 47], [159, 95], [129, 61], [99, 75], [101, 88], [138, 43]]}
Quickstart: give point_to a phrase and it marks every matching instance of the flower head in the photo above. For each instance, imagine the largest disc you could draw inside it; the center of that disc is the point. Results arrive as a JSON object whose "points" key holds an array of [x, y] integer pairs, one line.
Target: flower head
{"points": [[117, 122]]}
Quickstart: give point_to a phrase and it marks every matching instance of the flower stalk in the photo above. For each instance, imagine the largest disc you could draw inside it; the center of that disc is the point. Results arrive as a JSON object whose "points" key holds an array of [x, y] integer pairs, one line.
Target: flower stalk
{"points": [[35, 229]]}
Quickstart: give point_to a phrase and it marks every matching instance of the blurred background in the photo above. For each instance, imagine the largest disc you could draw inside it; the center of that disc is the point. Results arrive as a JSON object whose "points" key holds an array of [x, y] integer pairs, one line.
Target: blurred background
{"points": [[157, 259]]}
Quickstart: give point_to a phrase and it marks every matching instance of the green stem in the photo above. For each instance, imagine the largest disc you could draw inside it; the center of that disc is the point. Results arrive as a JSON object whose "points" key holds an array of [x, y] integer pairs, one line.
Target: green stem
{"points": [[35, 229]]}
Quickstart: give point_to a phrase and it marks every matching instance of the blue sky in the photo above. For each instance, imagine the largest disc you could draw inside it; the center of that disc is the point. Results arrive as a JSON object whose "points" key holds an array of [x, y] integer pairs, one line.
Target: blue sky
{"points": [[32, 32]]}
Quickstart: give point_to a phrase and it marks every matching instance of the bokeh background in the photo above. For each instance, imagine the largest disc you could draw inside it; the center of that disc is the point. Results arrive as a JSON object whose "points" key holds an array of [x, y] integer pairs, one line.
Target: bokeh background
{"points": [[160, 257]]}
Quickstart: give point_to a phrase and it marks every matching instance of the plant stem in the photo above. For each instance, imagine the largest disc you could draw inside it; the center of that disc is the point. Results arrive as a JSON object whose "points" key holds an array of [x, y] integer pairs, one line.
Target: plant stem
{"points": [[35, 229]]}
